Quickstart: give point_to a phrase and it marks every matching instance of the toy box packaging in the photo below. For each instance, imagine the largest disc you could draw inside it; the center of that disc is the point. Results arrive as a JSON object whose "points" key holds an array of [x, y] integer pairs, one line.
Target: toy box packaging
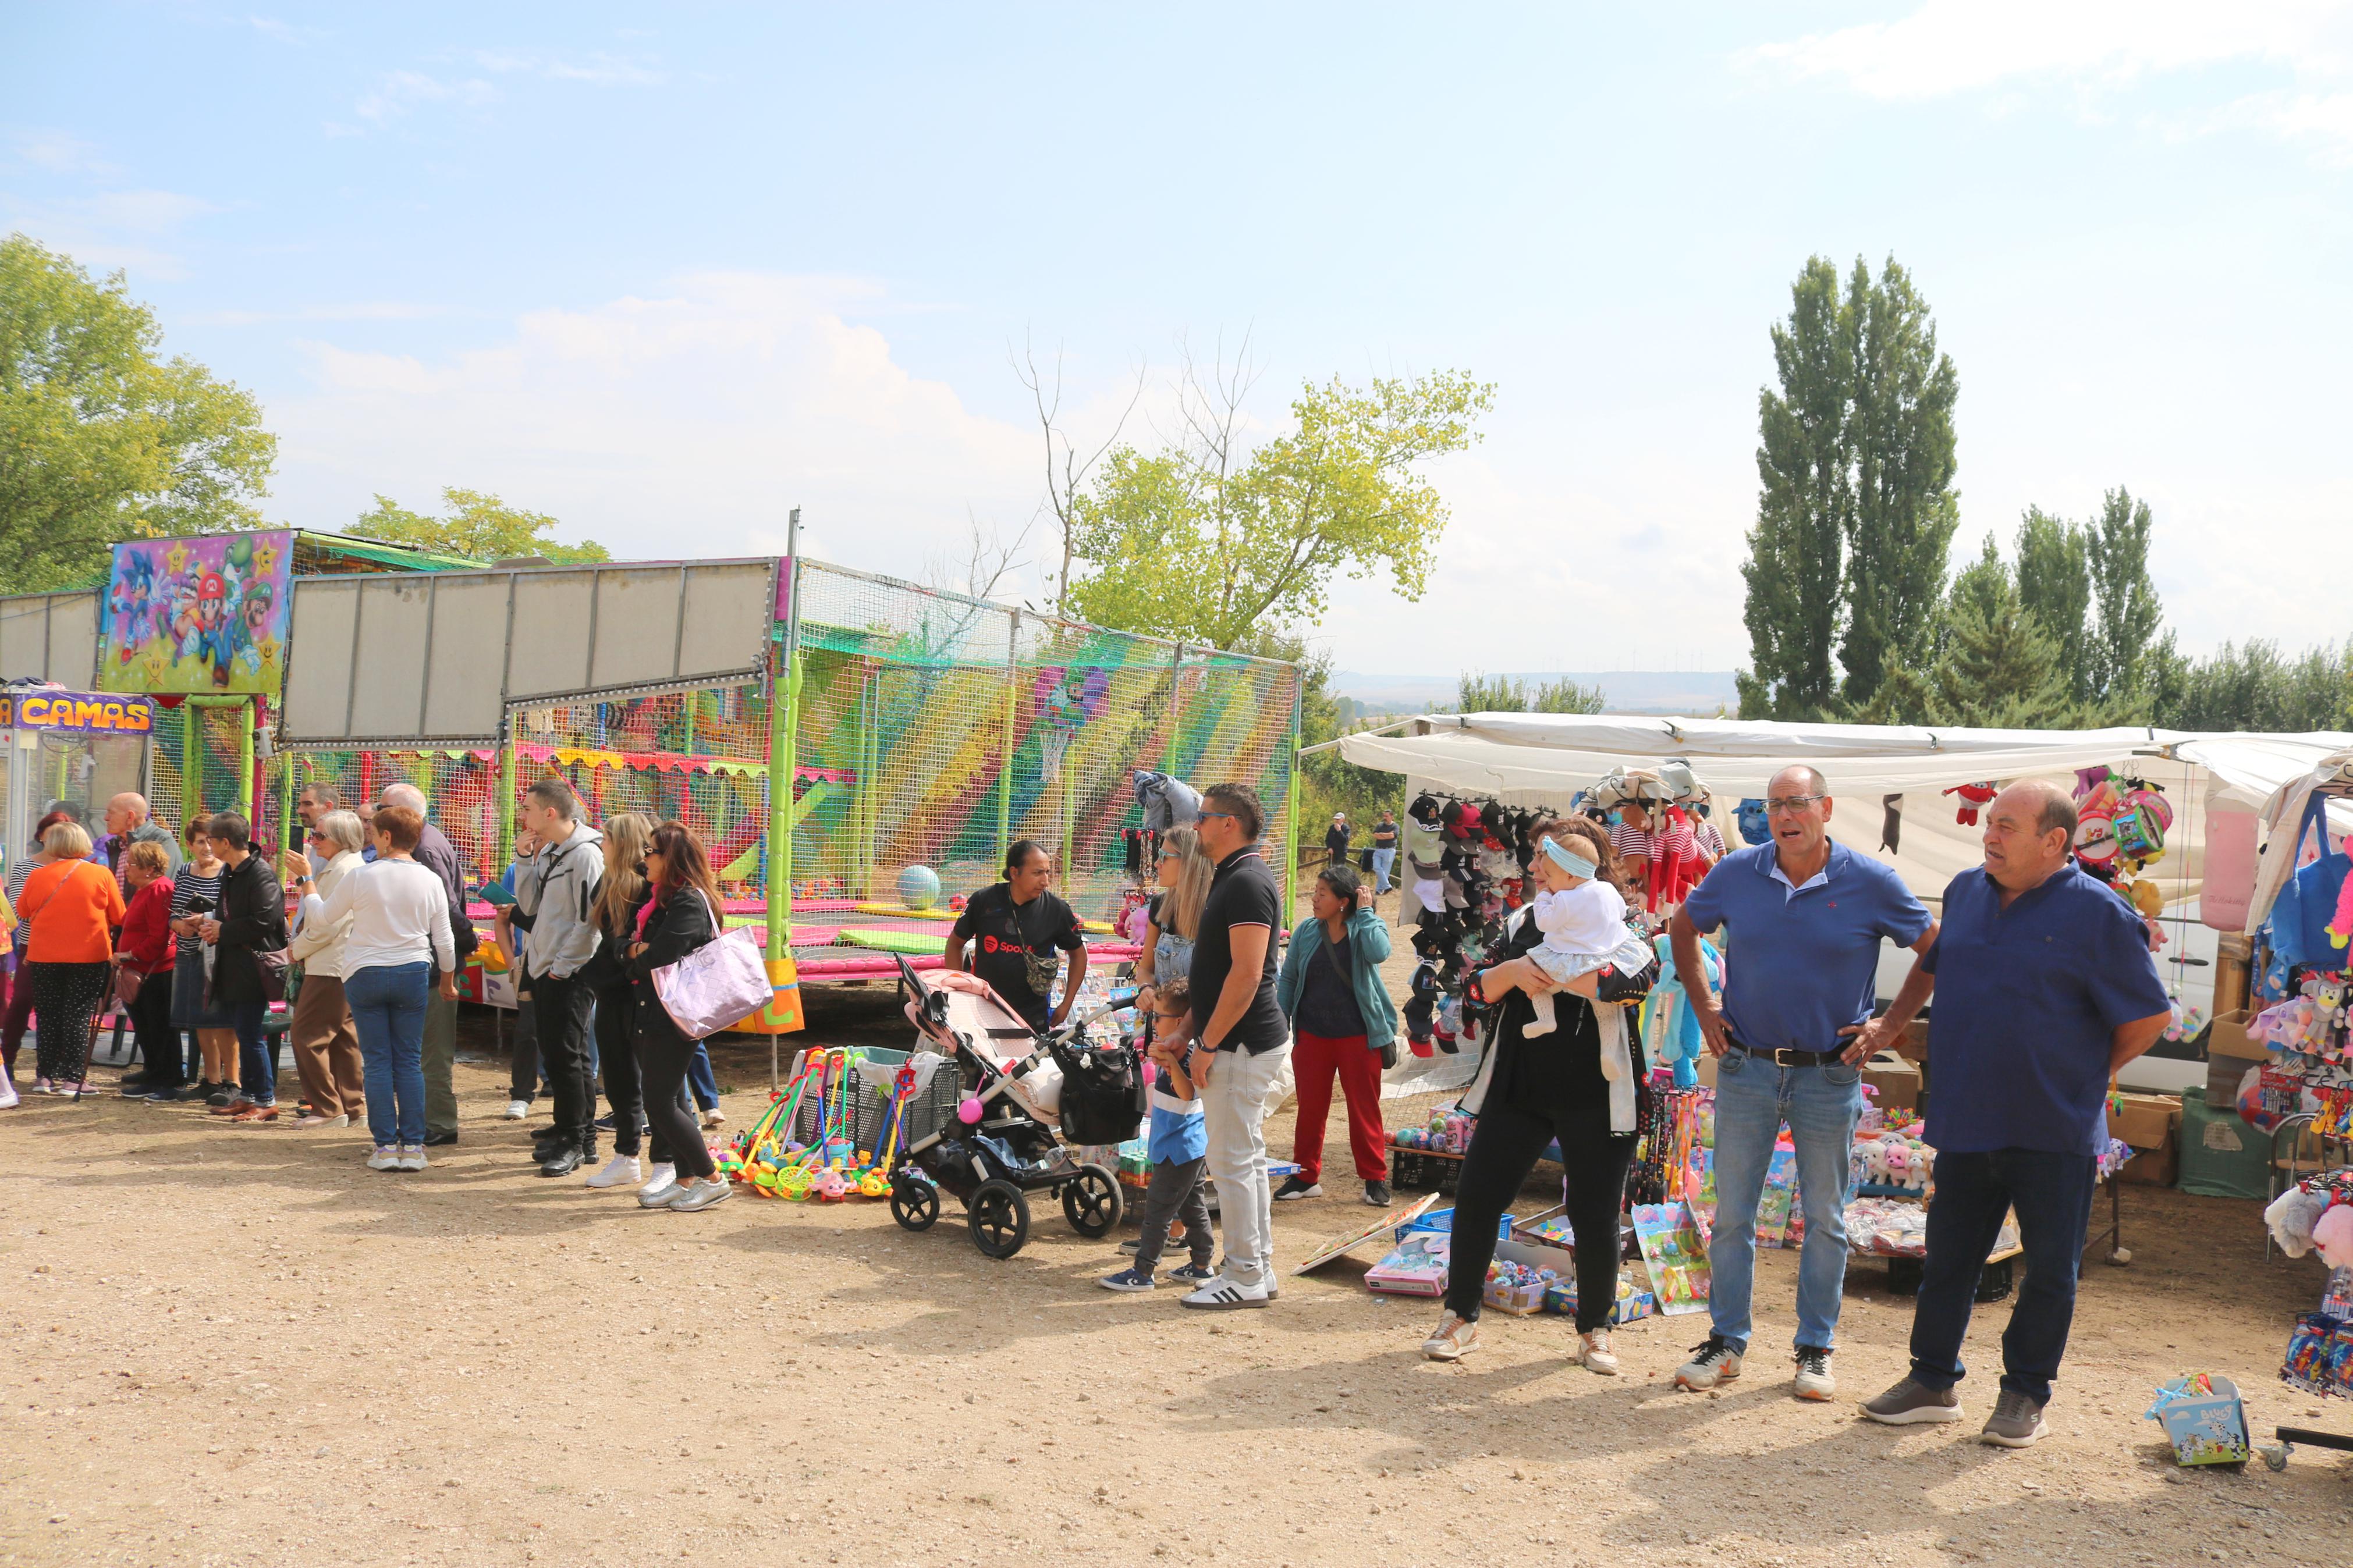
{"points": [[2203, 1419], [1416, 1267]]}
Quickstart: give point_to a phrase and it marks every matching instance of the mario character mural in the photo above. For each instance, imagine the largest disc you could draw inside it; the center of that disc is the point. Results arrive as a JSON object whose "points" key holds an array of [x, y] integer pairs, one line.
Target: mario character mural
{"points": [[201, 615]]}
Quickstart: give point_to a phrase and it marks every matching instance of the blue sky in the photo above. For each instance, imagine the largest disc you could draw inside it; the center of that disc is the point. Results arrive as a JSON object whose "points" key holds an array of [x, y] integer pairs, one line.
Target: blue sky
{"points": [[667, 271]]}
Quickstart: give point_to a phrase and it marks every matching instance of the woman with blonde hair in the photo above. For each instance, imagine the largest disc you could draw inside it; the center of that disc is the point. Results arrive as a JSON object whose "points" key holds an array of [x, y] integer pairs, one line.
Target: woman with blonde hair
{"points": [[1173, 918], [70, 906], [619, 897]]}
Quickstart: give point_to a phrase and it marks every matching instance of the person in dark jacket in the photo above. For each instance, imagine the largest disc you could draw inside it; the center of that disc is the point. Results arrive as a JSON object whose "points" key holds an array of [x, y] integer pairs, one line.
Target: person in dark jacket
{"points": [[246, 930], [620, 896], [1528, 1094], [1335, 840], [680, 916]]}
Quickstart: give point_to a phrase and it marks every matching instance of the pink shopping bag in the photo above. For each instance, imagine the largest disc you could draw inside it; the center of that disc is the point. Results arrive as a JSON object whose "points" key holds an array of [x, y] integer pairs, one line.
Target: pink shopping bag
{"points": [[716, 986]]}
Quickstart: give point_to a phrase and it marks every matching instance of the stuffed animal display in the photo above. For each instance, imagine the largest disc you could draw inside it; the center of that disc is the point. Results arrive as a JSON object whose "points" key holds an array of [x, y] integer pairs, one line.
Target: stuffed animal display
{"points": [[1670, 1035]]}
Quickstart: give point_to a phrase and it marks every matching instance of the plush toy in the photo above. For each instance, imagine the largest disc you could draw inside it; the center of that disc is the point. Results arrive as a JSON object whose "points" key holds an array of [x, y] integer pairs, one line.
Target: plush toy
{"points": [[1875, 1165], [2340, 924], [1749, 817], [1899, 1163], [1973, 796], [1925, 1161], [2332, 1236], [1671, 1034]]}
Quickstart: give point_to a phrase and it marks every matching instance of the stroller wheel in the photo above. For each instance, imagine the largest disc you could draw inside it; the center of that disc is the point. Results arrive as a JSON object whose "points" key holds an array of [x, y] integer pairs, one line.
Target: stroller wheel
{"points": [[1093, 1202], [999, 1218], [914, 1204]]}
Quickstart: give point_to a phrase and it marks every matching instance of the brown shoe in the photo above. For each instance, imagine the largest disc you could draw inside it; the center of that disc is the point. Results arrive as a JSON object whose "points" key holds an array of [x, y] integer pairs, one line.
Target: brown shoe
{"points": [[255, 1113], [237, 1107]]}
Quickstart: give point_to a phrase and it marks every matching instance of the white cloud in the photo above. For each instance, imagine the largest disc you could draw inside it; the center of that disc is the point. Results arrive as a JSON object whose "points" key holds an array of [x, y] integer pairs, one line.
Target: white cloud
{"points": [[683, 424], [54, 152], [598, 70], [2102, 50], [401, 91], [356, 311], [128, 229]]}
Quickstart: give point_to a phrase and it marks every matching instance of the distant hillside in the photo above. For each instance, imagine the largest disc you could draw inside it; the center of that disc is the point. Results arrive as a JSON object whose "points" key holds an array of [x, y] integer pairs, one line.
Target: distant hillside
{"points": [[1696, 692]]}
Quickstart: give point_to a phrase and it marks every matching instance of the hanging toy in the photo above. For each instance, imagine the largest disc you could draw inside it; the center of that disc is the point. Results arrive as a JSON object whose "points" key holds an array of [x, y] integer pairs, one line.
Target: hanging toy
{"points": [[2095, 836], [1973, 797], [1670, 1032]]}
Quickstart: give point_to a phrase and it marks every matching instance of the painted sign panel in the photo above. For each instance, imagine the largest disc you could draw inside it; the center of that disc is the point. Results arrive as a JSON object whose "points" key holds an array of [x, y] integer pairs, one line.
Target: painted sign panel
{"points": [[76, 710], [201, 615]]}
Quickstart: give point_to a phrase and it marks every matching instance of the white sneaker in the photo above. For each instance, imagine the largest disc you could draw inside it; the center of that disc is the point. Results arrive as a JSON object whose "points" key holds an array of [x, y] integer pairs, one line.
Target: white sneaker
{"points": [[1814, 1380], [715, 1117], [411, 1157], [386, 1158], [517, 1109], [657, 1192], [9, 1100], [1594, 1351], [618, 1170], [1222, 1295], [1712, 1361]]}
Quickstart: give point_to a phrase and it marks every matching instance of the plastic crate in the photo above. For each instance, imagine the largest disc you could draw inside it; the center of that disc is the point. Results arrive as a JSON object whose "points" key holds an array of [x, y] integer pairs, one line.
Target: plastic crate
{"points": [[1420, 1171], [1994, 1280]]}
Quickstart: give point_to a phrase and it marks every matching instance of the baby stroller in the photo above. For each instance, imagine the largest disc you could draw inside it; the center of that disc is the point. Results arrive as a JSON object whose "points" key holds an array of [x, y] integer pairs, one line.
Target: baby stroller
{"points": [[996, 1143]]}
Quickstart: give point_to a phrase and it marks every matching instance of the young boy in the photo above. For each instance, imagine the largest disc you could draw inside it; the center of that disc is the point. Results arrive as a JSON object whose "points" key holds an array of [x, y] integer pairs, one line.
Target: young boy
{"points": [[1180, 1144]]}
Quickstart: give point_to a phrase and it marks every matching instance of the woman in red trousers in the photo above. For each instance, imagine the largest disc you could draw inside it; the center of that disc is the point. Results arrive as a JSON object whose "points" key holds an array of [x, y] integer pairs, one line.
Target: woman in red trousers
{"points": [[1343, 1023]]}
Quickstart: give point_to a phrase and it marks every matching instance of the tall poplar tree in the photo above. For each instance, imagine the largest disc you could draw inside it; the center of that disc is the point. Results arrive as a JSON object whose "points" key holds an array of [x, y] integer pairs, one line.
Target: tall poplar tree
{"points": [[2054, 585], [1855, 507], [2129, 612]]}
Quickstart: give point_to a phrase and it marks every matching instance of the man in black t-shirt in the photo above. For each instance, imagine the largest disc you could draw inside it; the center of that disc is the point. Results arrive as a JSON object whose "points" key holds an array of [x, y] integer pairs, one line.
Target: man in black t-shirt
{"points": [[1385, 848], [1335, 840], [1243, 1042], [1018, 931]]}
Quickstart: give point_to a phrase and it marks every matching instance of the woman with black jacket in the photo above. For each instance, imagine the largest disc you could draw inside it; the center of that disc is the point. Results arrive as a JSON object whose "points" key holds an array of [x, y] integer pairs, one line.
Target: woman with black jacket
{"points": [[248, 935], [620, 895], [681, 916], [1530, 1092]]}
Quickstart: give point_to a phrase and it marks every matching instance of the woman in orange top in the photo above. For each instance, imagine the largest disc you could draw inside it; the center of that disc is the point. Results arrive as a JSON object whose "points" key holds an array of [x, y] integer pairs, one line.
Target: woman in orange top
{"points": [[69, 907]]}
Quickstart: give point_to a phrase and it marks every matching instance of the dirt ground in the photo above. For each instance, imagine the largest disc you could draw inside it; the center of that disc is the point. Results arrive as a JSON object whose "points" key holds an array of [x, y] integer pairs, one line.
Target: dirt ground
{"points": [[243, 1347]]}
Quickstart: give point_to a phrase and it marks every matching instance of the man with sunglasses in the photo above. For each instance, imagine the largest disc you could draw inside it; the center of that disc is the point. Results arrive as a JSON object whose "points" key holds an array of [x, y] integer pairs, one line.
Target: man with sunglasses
{"points": [[1804, 918]]}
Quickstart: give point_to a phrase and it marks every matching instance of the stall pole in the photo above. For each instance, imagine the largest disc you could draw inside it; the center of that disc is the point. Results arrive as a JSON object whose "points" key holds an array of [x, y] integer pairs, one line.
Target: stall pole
{"points": [[1176, 713], [1005, 768], [245, 760], [783, 716], [1291, 813], [192, 763], [506, 788]]}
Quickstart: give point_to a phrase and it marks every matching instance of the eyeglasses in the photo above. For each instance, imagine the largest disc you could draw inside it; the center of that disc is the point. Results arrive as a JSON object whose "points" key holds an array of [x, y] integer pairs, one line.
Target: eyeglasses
{"points": [[1200, 817], [1788, 805], [1171, 1017]]}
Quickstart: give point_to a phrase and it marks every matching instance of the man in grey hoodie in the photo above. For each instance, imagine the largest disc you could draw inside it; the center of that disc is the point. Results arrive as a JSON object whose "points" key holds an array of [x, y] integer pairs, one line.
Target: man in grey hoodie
{"points": [[555, 899]]}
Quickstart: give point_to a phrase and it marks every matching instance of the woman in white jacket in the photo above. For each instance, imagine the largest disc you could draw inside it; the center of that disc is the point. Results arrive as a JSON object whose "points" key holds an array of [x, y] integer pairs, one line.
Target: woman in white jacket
{"points": [[326, 1042], [399, 931]]}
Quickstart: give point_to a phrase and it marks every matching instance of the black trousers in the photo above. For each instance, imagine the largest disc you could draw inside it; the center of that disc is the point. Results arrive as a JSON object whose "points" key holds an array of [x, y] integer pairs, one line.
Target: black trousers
{"points": [[662, 1055], [560, 1007], [617, 1055], [1505, 1147], [523, 1063], [159, 1043]]}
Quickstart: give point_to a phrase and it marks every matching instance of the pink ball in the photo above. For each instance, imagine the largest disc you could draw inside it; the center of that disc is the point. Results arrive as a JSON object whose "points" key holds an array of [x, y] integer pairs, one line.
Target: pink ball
{"points": [[968, 1110]]}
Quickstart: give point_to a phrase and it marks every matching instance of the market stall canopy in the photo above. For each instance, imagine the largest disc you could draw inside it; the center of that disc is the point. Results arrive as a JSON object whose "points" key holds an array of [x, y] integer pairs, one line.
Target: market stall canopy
{"points": [[1485, 751], [2285, 810]]}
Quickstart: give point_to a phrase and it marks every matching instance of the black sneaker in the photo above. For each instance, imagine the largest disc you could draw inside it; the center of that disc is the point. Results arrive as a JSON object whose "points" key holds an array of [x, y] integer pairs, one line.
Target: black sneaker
{"points": [[1293, 1188], [222, 1094], [146, 1089], [137, 1083], [1377, 1195], [179, 1094], [439, 1140]]}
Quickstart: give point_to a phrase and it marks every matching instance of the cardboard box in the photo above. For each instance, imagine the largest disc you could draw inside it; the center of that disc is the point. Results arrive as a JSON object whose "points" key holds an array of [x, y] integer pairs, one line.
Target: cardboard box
{"points": [[2223, 1076], [2157, 1167], [1915, 1048], [2144, 1121], [2229, 1038], [1896, 1081], [2231, 960]]}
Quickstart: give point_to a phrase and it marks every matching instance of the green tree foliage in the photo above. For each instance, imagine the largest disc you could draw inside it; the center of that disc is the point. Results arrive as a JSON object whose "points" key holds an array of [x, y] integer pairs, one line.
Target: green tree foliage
{"points": [[1477, 693], [1999, 666], [478, 526], [1855, 507], [2129, 613], [1900, 429], [100, 439], [1207, 542], [1805, 502], [2252, 686], [2054, 585]]}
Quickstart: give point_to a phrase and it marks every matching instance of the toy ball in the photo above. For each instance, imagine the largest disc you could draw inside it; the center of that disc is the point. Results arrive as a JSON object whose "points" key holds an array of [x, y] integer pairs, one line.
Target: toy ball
{"points": [[919, 886], [969, 1111]]}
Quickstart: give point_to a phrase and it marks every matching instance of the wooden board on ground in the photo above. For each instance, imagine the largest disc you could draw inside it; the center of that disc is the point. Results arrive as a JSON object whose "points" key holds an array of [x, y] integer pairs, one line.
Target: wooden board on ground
{"points": [[1342, 1244]]}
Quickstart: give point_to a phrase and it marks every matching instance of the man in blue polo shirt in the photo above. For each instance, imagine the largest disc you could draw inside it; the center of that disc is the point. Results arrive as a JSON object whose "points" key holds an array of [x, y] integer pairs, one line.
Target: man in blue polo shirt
{"points": [[1804, 918], [2045, 987]]}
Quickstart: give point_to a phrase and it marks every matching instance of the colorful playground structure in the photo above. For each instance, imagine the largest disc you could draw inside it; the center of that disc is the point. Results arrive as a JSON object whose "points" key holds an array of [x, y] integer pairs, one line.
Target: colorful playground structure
{"points": [[869, 746]]}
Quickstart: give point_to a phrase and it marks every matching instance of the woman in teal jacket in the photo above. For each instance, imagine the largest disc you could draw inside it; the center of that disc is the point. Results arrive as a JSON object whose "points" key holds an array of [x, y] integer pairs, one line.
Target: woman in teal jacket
{"points": [[1343, 1023]]}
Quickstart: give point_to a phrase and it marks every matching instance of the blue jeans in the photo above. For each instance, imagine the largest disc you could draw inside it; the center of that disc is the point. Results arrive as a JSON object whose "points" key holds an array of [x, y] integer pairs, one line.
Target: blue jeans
{"points": [[1820, 1104], [2052, 1196], [257, 1053], [699, 1078], [1383, 859], [387, 1003]]}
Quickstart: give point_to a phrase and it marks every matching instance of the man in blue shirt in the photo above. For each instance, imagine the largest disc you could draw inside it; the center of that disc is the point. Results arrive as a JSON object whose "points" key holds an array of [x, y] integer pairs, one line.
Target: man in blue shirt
{"points": [[2045, 987], [1804, 918]]}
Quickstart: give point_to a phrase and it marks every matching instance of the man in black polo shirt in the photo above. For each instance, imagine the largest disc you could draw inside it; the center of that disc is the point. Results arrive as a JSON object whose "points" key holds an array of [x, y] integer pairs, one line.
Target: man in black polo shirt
{"points": [[1020, 935], [1243, 1040]]}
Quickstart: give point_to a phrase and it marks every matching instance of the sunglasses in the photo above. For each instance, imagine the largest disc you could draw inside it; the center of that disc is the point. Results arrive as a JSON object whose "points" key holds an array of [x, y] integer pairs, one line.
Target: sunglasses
{"points": [[1200, 817]]}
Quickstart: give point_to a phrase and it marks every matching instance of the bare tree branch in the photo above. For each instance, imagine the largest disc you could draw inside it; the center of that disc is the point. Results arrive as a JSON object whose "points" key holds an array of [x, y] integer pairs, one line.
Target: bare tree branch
{"points": [[1066, 471]]}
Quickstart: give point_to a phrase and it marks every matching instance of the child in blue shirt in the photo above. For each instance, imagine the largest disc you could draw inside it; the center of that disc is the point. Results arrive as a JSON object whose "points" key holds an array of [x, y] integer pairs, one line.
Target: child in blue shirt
{"points": [[1179, 1146]]}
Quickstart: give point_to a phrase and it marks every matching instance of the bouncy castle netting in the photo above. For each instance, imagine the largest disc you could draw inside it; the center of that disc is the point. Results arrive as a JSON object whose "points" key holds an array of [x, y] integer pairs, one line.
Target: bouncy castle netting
{"points": [[197, 764], [935, 730]]}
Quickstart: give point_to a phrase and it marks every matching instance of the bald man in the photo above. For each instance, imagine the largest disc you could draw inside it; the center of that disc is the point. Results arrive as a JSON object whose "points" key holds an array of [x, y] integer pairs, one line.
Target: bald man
{"points": [[128, 823], [2045, 987]]}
